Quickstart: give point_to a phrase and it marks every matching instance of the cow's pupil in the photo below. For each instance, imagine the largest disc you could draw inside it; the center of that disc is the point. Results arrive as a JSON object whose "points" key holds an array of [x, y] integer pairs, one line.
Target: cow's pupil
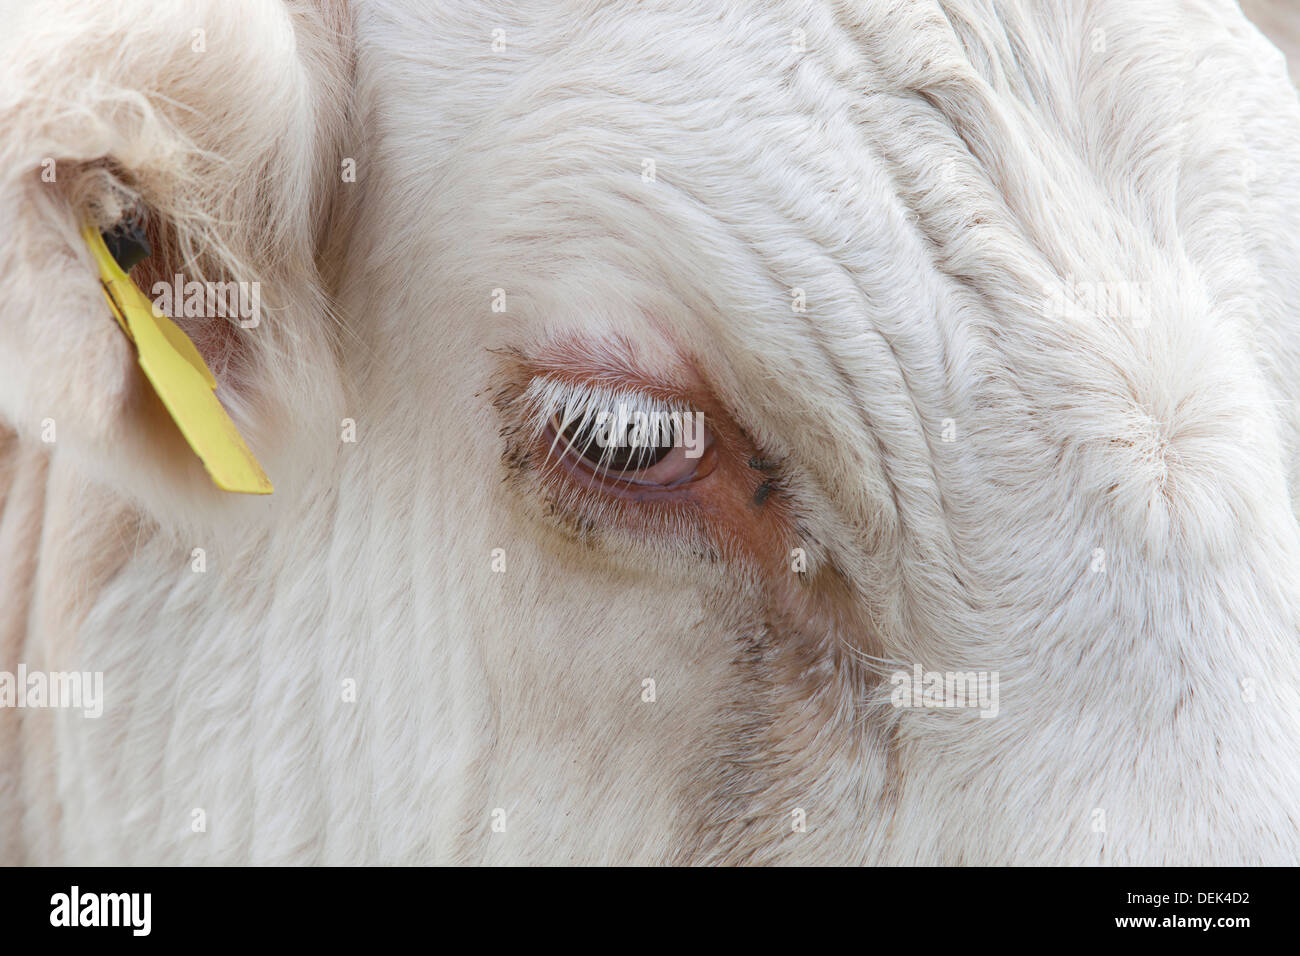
{"points": [[622, 456]]}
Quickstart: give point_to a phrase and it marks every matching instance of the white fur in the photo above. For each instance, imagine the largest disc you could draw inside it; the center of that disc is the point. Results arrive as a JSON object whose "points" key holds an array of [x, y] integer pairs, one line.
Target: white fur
{"points": [[924, 172]]}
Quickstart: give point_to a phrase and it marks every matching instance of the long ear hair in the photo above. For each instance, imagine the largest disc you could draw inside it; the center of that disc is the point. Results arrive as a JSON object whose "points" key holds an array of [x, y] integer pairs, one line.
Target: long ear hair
{"points": [[223, 125]]}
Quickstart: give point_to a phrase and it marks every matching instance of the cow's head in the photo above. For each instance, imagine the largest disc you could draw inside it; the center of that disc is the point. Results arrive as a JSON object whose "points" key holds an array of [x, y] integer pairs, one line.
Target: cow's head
{"points": [[988, 311]]}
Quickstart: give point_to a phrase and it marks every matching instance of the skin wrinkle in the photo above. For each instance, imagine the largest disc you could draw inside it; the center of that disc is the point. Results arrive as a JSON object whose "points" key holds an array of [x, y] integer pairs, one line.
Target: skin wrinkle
{"points": [[701, 206], [852, 393], [923, 220], [818, 337], [937, 242]]}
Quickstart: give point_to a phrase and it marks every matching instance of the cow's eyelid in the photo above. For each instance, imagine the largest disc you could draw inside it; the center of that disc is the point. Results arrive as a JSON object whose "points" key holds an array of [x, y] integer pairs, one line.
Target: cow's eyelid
{"points": [[563, 404], [580, 402]]}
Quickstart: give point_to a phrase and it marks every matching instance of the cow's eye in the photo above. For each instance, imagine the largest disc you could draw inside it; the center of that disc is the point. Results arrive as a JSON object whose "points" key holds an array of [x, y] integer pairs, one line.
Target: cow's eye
{"points": [[615, 447], [622, 457], [621, 439], [647, 451]]}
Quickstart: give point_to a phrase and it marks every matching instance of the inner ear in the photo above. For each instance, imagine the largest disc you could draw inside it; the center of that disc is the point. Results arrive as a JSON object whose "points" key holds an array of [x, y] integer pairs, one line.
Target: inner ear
{"points": [[166, 277], [108, 196]]}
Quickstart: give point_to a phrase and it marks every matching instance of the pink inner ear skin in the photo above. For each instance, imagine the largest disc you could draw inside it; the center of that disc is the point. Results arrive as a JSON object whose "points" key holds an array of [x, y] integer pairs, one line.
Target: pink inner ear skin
{"points": [[217, 337]]}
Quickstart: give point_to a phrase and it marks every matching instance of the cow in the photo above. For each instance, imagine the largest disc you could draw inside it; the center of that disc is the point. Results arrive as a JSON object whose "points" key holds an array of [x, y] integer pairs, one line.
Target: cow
{"points": [[985, 551]]}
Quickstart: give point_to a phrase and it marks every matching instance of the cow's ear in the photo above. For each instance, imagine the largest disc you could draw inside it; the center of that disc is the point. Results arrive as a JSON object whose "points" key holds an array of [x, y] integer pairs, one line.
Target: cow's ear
{"points": [[222, 128]]}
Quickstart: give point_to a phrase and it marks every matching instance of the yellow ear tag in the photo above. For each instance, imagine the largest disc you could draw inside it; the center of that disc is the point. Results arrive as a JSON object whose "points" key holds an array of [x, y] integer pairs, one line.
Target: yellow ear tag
{"points": [[180, 377]]}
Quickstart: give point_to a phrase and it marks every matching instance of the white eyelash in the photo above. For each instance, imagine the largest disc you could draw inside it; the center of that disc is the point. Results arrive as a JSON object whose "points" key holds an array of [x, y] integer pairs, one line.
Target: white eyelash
{"points": [[572, 404]]}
